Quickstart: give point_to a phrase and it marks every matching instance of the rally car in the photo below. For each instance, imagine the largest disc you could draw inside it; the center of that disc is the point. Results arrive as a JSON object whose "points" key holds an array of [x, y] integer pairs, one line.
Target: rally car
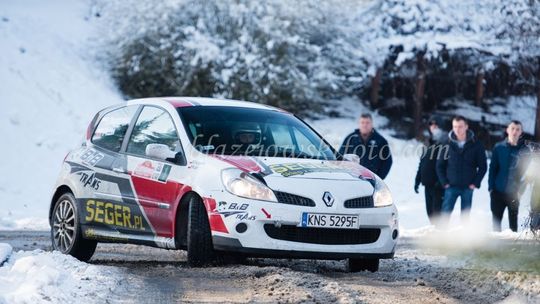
{"points": [[216, 177]]}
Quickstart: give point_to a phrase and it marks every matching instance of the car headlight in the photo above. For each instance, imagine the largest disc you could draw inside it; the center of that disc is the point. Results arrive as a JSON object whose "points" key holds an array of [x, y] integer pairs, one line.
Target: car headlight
{"points": [[381, 196], [242, 184]]}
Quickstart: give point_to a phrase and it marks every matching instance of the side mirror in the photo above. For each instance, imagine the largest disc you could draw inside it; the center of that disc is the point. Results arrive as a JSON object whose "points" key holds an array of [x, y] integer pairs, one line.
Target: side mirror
{"points": [[352, 157], [159, 151]]}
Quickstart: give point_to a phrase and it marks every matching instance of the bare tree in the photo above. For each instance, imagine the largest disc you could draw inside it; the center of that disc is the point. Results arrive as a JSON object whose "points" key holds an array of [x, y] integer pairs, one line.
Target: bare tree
{"points": [[419, 93], [375, 87], [479, 86]]}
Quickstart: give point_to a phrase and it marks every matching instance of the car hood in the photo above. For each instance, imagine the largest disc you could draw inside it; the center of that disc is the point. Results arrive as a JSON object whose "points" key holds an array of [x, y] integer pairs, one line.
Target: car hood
{"points": [[295, 168]]}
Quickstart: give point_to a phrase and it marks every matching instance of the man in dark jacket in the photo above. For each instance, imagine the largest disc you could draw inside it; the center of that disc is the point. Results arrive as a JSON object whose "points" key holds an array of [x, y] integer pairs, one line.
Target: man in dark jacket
{"points": [[427, 174], [461, 168], [370, 146], [506, 176]]}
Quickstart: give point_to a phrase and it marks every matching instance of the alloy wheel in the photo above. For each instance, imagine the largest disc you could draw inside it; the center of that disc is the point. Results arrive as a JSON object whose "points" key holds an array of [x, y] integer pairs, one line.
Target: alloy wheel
{"points": [[64, 226]]}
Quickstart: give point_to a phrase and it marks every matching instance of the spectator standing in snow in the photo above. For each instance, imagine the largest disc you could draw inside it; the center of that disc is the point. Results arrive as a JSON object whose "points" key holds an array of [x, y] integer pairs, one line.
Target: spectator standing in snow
{"points": [[370, 146], [427, 173], [506, 173], [461, 169]]}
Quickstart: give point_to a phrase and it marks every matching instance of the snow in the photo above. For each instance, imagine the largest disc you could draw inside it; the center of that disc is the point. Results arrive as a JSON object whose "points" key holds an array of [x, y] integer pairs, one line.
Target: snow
{"points": [[487, 26], [5, 252], [265, 45], [44, 277], [50, 88], [463, 238], [23, 223], [501, 110]]}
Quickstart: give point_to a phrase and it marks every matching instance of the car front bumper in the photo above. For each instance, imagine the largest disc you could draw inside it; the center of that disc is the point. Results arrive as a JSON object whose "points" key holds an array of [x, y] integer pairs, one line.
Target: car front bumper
{"points": [[268, 229]]}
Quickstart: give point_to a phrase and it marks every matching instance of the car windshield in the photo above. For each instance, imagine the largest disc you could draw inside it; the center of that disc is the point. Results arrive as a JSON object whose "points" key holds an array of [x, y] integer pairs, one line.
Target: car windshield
{"points": [[252, 132]]}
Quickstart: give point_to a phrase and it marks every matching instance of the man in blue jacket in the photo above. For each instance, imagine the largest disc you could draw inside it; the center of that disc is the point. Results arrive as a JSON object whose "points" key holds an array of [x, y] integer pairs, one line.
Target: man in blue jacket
{"points": [[461, 168], [370, 146], [506, 176]]}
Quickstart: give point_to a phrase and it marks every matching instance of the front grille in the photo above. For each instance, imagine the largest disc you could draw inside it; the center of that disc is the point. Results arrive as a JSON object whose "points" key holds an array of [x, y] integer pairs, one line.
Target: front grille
{"points": [[291, 199], [360, 202], [323, 236]]}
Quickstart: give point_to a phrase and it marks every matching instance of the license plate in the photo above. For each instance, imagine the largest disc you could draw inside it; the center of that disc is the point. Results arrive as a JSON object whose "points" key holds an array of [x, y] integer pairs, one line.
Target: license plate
{"points": [[330, 220]]}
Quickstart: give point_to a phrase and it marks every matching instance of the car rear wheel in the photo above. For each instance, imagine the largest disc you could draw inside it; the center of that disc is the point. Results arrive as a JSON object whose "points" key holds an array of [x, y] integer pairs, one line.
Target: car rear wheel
{"points": [[66, 232], [200, 249], [356, 265]]}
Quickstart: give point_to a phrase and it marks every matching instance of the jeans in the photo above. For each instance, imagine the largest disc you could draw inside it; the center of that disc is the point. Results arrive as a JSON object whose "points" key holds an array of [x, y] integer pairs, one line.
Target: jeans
{"points": [[451, 195], [434, 198], [499, 202]]}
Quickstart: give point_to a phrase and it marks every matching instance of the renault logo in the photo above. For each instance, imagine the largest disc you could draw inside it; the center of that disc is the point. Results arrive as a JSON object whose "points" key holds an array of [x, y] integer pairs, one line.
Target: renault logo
{"points": [[328, 199]]}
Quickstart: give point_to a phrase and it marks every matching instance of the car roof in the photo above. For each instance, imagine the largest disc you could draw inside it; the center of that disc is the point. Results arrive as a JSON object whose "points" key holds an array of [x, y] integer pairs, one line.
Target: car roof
{"points": [[179, 102]]}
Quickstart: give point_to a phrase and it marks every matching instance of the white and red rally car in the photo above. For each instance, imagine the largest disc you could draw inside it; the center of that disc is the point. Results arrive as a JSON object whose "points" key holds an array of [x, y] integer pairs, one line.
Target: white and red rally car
{"points": [[219, 176]]}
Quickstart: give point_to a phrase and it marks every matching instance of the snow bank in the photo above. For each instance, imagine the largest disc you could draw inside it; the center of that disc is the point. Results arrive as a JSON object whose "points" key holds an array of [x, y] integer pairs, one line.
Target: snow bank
{"points": [[39, 277]]}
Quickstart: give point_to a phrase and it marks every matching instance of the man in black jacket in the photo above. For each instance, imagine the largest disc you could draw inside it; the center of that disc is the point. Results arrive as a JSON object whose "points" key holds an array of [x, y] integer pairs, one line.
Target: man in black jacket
{"points": [[462, 169], [506, 172], [427, 174], [370, 146]]}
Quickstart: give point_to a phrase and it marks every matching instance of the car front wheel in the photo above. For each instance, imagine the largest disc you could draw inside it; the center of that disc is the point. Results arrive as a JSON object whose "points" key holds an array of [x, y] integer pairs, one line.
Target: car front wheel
{"points": [[66, 232], [200, 249]]}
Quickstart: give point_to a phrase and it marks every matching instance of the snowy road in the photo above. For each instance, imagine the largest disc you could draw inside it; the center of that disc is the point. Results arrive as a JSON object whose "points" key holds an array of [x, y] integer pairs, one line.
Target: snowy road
{"points": [[416, 275]]}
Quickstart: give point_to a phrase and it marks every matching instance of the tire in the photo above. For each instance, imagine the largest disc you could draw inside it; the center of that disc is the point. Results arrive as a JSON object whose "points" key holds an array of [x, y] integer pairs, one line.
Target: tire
{"points": [[66, 235], [356, 265], [200, 249]]}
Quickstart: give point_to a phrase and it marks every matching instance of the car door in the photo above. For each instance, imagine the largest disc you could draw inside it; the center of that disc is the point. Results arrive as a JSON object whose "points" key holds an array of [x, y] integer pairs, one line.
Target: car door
{"points": [[110, 212], [156, 181]]}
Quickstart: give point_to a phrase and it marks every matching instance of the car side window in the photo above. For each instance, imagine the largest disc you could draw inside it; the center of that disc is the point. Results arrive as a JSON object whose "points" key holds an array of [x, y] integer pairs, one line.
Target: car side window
{"points": [[154, 126], [112, 128]]}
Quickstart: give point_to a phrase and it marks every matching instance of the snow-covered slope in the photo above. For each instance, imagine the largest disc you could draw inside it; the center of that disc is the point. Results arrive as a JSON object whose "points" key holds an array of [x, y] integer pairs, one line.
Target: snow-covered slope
{"points": [[50, 87]]}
